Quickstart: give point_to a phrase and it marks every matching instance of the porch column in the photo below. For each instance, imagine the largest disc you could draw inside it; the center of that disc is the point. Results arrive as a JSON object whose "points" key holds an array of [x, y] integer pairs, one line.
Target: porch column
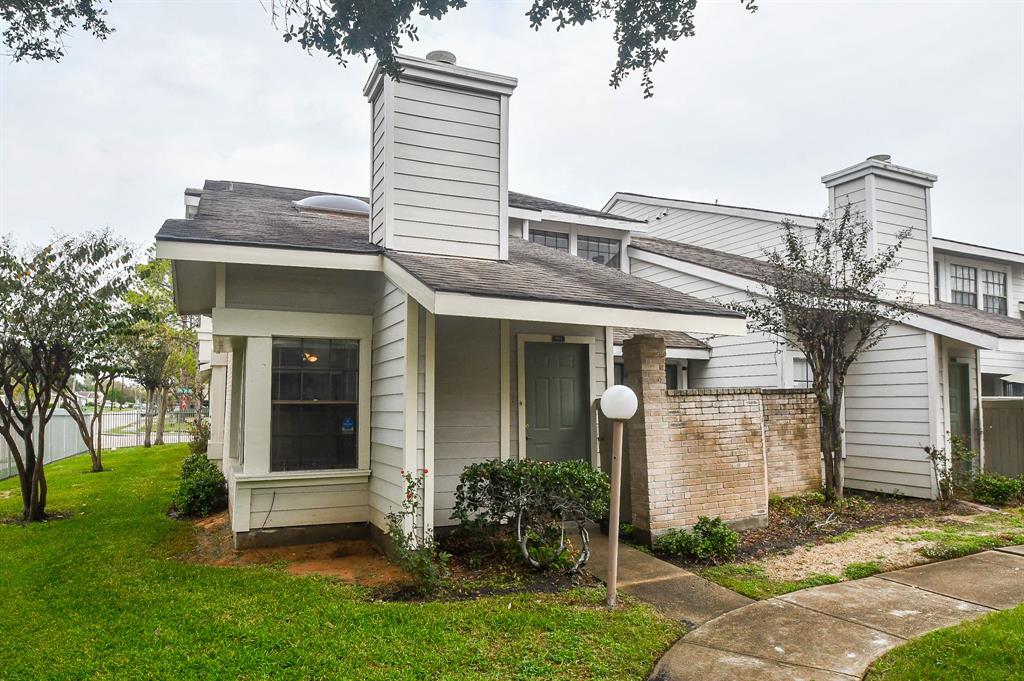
{"points": [[256, 405], [218, 399], [644, 368]]}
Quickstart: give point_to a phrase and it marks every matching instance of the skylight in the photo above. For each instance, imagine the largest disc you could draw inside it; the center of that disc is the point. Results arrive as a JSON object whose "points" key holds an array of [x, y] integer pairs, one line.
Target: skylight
{"points": [[333, 203]]}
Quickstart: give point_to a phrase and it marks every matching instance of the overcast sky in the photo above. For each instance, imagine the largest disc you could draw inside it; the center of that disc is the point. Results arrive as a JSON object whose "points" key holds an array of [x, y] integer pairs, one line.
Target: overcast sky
{"points": [[752, 111]]}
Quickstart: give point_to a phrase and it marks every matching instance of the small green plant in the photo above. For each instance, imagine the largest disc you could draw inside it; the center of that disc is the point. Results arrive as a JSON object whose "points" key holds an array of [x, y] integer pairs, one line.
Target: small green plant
{"points": [[413, 544], [199, 432], [202, 489], [626, 530], [711, 541], [753, 581], [862, 570], [996, 489]]}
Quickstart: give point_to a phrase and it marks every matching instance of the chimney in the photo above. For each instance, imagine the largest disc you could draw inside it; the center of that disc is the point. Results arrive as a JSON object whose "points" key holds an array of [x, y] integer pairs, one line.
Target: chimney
{"points": [[439, 158], [891, 198]]}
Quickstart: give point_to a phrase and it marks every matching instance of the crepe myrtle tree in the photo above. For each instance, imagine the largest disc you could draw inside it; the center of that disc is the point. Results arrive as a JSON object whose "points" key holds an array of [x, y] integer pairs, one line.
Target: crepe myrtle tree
{"points": [[53, 305], [823, 294]]}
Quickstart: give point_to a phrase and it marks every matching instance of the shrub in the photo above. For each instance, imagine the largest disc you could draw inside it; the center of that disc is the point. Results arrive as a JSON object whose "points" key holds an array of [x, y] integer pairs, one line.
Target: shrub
{"points": [[414, 547], [711, 541], [199, 430], [534, 499], [202, 489], [996, 489]]}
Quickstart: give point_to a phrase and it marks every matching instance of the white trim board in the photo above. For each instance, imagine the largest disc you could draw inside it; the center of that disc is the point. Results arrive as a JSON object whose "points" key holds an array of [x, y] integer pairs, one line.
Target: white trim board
{"points": [[675, 353], [736, 211], [573, 218], [259, 255]]}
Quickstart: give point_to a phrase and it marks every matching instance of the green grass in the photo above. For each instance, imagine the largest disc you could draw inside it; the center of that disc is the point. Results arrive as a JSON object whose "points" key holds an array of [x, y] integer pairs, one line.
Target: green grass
{"points": [[862, 570], [101, 594], [979, 533], [752, 581], [988, 649]]}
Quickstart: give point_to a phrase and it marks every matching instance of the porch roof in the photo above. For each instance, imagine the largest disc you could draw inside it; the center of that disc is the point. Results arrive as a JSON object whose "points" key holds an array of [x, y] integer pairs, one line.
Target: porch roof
{"points": [[976, 320], [673, 339]]}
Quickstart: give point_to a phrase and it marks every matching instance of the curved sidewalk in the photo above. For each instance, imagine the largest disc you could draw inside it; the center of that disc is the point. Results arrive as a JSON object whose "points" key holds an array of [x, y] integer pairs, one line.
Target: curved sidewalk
{"points": [[835, 632]]}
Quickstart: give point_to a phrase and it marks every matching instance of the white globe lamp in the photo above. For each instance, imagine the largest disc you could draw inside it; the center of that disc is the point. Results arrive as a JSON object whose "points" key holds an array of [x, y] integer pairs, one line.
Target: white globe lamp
{"points": [[618, 404]]}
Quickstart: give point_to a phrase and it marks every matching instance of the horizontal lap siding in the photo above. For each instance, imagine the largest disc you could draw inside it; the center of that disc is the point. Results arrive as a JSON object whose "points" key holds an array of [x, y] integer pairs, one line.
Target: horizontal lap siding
{"points": [[736, 361], [901, 206], [729, 233], [387, 404], [309, 505], [887, 416], [377, 171], [446, 171], [467, 406], [1001, 363]]}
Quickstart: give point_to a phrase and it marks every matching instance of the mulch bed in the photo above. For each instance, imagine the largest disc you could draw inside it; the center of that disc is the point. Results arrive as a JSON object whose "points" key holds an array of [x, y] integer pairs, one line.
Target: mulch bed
{"points": [[797, 521]]}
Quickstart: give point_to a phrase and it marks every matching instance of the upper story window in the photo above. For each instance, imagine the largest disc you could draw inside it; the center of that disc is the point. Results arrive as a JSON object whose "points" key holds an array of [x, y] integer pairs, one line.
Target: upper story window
{"points": [[803, 377], [557, 240], [600, 250], [936, 278], [314, 404], [963, 283], [994, 291]]}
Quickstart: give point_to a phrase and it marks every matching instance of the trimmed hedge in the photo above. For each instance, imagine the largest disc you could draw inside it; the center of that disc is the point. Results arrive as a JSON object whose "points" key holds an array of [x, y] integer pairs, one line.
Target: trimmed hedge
{"points": [[202, 490]]}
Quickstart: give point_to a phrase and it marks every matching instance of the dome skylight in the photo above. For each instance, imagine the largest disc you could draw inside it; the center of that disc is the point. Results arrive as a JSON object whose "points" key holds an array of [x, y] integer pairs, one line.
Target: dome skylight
{"points": [[333, 203]]}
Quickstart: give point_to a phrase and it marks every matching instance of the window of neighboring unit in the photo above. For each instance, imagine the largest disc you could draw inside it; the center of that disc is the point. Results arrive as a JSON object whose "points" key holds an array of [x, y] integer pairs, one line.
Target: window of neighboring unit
{"points": [[619, 374], [803, 377], [556, 240], [599, 250], [994, 291], [314, 404], [963, 283], [671, 376]]}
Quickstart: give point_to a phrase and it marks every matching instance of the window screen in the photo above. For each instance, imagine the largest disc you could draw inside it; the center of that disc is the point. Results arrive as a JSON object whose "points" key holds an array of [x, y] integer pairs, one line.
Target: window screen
{"points": [[963, 282], [314, 404], [599, 250]]}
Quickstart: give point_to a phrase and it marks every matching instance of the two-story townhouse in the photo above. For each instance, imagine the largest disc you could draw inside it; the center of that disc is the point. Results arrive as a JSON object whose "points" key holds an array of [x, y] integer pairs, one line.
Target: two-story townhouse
{"points": [[918, 387]]}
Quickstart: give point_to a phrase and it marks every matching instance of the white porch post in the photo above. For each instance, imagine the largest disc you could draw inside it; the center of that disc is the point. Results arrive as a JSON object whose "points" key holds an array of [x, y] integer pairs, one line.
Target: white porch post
{"points": [[256, 405], [218, 399]]}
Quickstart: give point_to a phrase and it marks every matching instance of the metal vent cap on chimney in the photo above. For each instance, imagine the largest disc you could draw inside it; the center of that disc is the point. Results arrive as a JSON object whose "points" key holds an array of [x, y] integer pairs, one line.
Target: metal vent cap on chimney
{"points": [[443, 56], [884, 158]]}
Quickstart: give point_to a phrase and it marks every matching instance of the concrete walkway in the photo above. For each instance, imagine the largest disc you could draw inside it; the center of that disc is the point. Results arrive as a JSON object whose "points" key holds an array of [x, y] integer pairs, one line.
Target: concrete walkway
{"points": [[829, 632]]}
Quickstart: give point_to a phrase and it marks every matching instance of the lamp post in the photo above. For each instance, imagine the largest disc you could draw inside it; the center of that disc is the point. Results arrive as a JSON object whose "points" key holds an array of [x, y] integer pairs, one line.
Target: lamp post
{"points": [[618, 404]]}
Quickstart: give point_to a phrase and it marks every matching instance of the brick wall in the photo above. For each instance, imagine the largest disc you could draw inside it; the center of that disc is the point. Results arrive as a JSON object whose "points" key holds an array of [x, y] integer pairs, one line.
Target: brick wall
{"points": [[713, 452]]}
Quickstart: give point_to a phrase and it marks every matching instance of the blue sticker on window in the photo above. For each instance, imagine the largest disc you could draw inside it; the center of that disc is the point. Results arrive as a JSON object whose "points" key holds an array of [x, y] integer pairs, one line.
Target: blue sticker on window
{"points": [[348, 426]]}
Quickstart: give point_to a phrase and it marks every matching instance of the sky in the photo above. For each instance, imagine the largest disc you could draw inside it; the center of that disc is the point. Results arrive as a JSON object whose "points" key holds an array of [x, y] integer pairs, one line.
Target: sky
{"points": [[752, 111]]}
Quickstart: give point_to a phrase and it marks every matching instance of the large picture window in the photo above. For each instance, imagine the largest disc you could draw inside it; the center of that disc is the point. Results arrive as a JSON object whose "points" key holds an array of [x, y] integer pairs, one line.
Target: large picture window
{"points": [[963, 283], [314, 404], [994, 298], [599, 250]]}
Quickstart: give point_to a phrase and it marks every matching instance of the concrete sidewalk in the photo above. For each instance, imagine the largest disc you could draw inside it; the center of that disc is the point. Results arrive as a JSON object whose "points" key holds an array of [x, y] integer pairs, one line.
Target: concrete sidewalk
{"points": [[676, 592], [834, 632]]}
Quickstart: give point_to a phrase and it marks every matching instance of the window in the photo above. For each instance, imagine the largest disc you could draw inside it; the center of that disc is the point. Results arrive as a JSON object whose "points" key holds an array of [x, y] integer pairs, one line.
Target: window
{"points": [[314, 404], [994, 290], [671, 376], [963, 282], [935, 273], [599, 250], [556, 240], [803, 377], [619, 373]]}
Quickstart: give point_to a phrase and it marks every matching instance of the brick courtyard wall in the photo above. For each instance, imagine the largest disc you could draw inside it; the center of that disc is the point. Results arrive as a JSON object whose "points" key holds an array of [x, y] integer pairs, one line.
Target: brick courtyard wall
{"points": [[713, 452]]}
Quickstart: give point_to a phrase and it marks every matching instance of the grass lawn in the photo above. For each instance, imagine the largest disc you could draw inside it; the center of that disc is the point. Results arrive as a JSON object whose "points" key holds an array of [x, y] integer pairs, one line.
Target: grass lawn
{"points": [[101, 594], [988, 649]]}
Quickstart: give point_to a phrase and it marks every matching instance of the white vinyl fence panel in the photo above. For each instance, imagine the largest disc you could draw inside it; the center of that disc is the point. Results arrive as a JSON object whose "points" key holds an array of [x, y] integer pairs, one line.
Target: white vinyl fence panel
{"points": [[62, 440]]}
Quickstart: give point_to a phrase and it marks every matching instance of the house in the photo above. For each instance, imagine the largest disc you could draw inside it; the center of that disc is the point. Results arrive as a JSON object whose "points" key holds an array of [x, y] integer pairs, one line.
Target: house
{"points": [[439, 321], [921, 383]]}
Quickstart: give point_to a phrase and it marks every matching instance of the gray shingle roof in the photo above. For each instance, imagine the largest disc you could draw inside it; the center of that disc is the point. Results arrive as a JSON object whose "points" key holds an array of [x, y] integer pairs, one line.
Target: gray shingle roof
{"points": [[706, 257], [673, 339], [535, 272], [517, 200], [245, 214], [241, 213], [975, 319]]}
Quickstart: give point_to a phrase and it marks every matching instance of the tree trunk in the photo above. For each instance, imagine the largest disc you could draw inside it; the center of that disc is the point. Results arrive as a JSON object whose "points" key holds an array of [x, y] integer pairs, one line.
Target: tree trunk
{"points": [[147, 439], [161, 417], [97, 451]]}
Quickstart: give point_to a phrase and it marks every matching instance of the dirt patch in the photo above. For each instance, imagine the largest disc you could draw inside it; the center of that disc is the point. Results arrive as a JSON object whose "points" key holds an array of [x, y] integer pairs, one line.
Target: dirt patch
{"points": [[7, 494], [799, 521], [352, 561]]}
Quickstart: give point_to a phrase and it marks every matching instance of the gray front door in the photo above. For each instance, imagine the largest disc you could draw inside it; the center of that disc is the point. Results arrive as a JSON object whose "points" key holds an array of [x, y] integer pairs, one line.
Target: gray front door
{"points": [[557, 377], [960, 401]]}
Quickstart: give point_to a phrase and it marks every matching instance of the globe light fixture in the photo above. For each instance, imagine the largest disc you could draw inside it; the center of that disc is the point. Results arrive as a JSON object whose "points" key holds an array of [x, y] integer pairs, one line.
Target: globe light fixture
{"points": [[618, 404]]}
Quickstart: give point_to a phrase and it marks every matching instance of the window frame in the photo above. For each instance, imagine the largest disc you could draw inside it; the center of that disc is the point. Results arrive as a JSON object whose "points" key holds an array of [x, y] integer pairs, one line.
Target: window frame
{"points": [[1002, 309], [614, 262], [551, 233], [959, 295]]}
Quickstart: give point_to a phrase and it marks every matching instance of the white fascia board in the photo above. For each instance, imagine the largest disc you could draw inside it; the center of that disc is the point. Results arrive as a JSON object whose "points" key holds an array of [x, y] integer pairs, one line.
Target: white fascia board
{"points": [[573, 218], [675, 353], [486, 307], [881, 169], [735, 281], [957, 248], [258, 255], [736, 211], [954, 331], [409, 284]]}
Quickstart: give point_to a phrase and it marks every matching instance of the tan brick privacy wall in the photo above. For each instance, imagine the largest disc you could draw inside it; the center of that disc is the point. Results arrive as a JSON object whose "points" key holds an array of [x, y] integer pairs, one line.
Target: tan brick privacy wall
{"points": [[713, 452]]}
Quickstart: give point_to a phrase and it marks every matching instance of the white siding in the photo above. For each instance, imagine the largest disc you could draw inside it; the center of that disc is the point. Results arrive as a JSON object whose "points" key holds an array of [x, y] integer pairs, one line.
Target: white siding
{"points": [[899, 206], [888, 418], [437, 169], [387, 404], [308, 505], [736, 361], [729, 233]]}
